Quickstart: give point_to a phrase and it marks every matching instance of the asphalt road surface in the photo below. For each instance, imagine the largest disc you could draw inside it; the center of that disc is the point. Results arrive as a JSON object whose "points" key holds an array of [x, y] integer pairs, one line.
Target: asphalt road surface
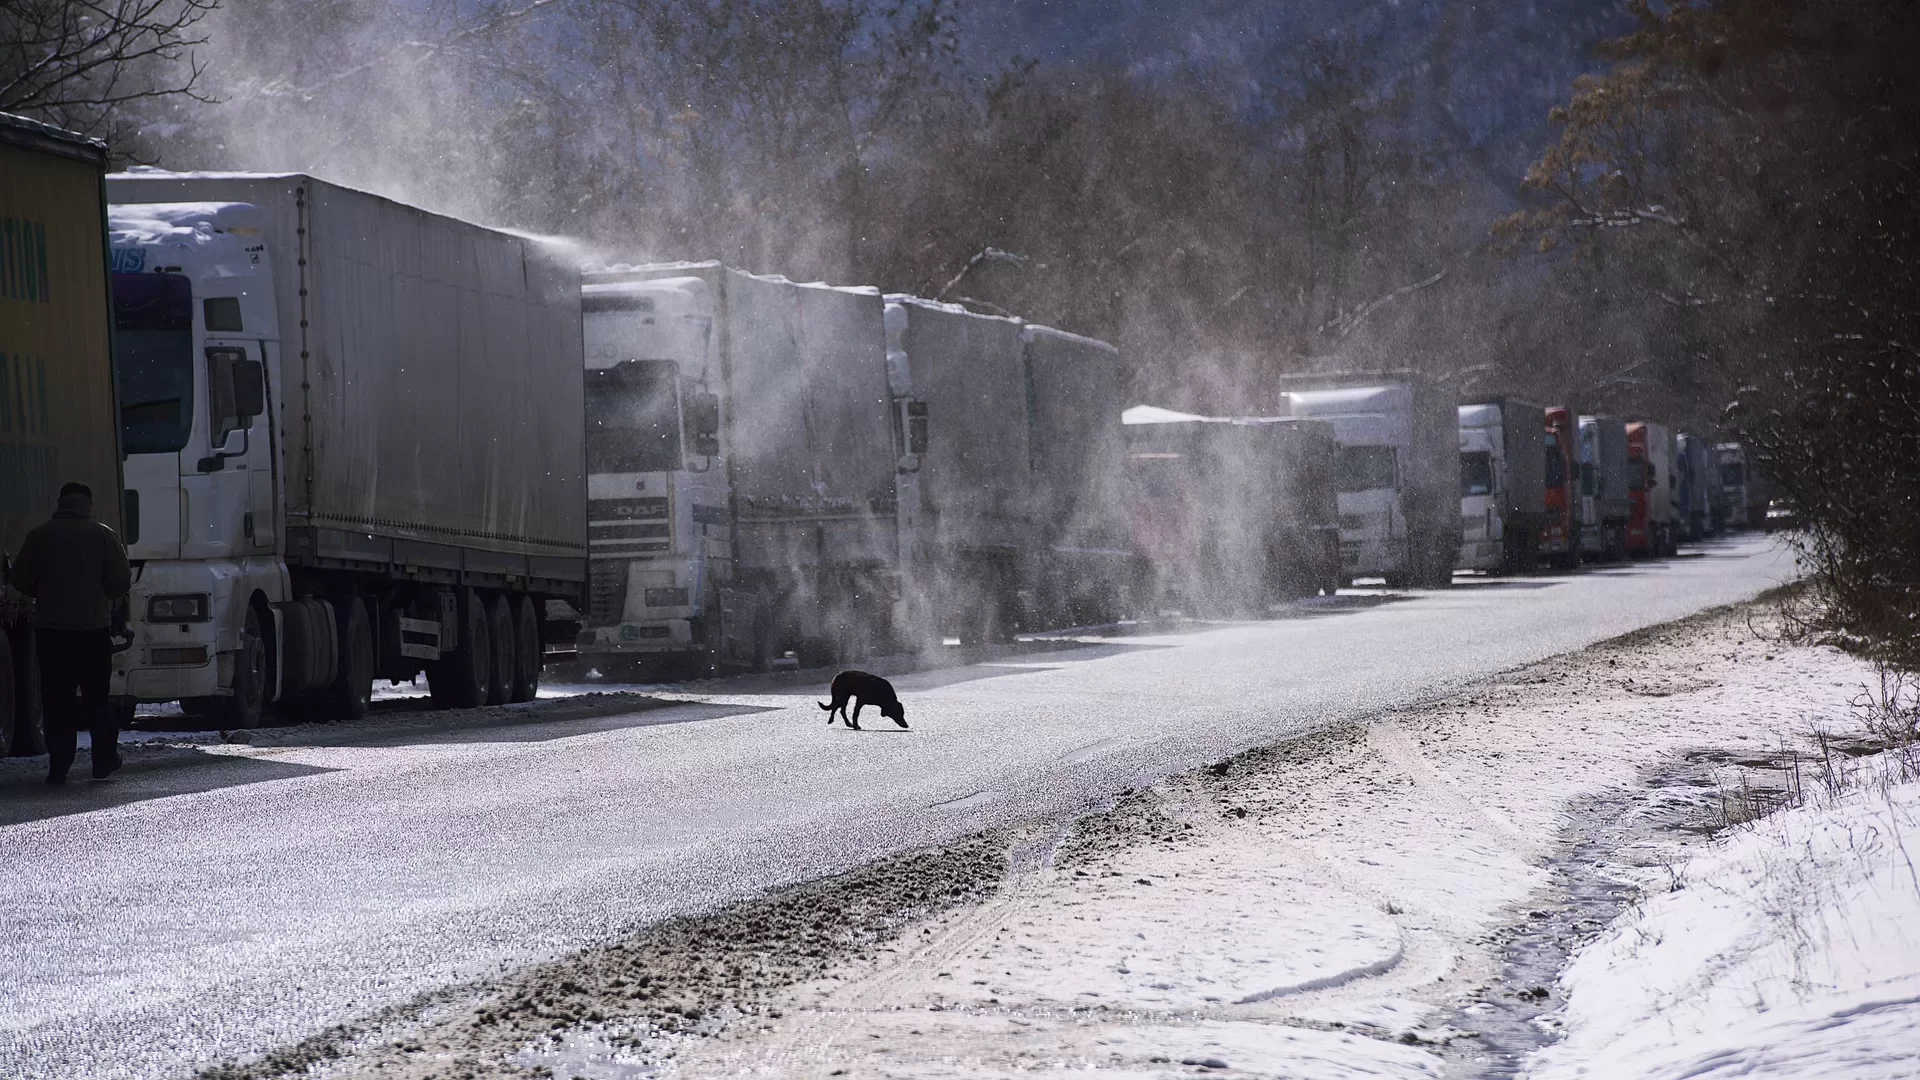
{"points": [[223, 902]]}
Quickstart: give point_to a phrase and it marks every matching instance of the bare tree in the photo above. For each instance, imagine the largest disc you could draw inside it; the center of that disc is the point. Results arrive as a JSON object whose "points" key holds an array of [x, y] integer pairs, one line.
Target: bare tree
{"points": [[81, 63]]}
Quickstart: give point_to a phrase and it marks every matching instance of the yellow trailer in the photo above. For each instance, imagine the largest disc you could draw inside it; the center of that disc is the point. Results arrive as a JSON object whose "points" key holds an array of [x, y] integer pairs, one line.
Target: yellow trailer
{"points": [[58, 417]]}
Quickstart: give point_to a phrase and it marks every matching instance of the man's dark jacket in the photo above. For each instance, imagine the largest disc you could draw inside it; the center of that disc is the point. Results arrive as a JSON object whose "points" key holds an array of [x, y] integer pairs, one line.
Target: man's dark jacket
{"points": [[74, 568]]}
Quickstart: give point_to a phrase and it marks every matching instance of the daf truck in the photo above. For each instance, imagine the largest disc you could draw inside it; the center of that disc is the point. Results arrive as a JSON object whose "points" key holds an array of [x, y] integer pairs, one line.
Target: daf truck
{"points": [[1603, 478], [1398, 471], [741, 470], [1567, 505], [1231, 515], [1503, 492], [353, 431], [1650, 488], [58, 418], [965, 487]]}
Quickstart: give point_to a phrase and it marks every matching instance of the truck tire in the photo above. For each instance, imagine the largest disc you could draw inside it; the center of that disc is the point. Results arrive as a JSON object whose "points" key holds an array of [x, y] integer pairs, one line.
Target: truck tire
{"points": [[459, 680], [249, 700], [9, 695], [351, 693], [501, 665], [526, 649], [26, 727]]}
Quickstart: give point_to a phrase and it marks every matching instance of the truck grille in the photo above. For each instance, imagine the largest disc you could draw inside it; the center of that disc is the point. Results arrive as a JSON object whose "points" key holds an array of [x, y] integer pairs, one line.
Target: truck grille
{"points": [[606, 592], [629, 526]]}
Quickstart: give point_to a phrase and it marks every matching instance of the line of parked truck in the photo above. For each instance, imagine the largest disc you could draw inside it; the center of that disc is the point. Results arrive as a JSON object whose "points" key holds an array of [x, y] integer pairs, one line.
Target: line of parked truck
{"points": [[355, 440]]}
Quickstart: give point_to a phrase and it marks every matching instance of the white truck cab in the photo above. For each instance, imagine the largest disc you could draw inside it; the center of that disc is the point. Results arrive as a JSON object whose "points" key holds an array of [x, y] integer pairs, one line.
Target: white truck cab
{"points": [[658, 523], [197, 362]]}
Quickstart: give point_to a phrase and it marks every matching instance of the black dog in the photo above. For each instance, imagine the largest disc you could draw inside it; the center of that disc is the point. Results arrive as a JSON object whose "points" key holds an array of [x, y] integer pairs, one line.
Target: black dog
{"points": [[865, 690]]}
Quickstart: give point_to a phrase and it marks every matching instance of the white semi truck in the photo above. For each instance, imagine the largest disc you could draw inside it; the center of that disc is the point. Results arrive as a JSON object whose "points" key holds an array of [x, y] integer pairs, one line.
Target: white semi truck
{"points": [[353, 433], [958, 381], [1503, 494], [1398, 471], [1231, 514], [1603, 479], [741, 455], [1081, 565]]}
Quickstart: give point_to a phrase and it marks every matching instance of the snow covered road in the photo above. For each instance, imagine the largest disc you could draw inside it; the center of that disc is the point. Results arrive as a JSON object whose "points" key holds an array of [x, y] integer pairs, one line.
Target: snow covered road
{"points": [[218, 908]]}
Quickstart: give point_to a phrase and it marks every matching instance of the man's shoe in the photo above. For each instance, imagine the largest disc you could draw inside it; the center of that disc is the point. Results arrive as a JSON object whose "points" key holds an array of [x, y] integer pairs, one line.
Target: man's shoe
{"points": [[104, 769]]}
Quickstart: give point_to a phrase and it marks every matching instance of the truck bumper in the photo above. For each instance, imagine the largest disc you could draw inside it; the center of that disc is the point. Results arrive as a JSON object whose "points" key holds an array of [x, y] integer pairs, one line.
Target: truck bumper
{"points": [[174, 660], [1482, 555], [638, 638], [1376, 558]]}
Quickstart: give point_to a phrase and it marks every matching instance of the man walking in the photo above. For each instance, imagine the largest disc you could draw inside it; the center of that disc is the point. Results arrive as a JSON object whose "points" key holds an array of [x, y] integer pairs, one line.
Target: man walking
{"points": [[75, 570]]}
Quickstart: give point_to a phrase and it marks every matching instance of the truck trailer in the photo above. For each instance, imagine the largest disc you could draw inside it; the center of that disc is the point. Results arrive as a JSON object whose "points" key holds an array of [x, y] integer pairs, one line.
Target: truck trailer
{"points": [[1398, 471], [1650, 490], [1603, 478], [1566, 505], [1080, 565], [353, 430], [1503, 492], [58, 417], [958, 381], [1231, 515], [741, 458], [1692, 468]]}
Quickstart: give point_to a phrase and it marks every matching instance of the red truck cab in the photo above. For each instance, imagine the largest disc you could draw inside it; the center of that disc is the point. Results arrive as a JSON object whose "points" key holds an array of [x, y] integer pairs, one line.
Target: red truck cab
{"points": [[1649, 490], [1560, 535]]}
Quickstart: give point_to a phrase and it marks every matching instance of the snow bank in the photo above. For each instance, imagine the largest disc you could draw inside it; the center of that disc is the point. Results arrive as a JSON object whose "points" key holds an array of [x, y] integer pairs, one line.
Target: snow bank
{"points": [[1793, 950]]}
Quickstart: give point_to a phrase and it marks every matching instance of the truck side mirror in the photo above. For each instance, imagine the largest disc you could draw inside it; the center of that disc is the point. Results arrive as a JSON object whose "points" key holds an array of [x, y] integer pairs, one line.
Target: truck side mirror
{"points": [[703, 423], [249, 389], [916, 427]]}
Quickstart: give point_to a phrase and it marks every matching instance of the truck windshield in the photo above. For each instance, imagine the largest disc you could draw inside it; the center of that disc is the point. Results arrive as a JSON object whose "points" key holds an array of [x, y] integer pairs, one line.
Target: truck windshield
{"points": [[1476, 473], [1556, 469], [153, 361], [1732, 474], [633, 417], [1365, 468]]}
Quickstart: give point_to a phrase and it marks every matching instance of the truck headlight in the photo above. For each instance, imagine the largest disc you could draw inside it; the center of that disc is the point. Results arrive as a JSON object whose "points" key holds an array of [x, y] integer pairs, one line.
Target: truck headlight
{"points": [[181, 607]]}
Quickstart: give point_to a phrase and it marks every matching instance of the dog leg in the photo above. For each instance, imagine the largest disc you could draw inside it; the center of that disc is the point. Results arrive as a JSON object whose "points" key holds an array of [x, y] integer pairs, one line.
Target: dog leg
{"points": [[855, 722]]}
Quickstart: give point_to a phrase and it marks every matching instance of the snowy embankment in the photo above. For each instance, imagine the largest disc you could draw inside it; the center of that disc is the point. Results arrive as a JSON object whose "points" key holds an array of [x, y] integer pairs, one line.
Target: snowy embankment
{"points": [[1793, 950]]}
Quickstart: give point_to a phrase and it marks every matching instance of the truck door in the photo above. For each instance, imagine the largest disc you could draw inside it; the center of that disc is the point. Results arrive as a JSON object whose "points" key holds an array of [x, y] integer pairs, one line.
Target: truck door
{"points": [[230, 444]]}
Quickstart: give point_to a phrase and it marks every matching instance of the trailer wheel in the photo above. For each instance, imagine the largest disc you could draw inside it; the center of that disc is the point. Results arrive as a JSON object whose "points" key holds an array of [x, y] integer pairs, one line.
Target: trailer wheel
{"points": [[526, 650], [352, 690], [500, 635], [249, 700], [459, 680], [24, 726], [9, 696]]}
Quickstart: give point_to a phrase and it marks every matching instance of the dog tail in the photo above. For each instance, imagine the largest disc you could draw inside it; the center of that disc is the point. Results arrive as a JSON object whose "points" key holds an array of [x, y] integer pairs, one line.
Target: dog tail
{"points": [[825, 706]]}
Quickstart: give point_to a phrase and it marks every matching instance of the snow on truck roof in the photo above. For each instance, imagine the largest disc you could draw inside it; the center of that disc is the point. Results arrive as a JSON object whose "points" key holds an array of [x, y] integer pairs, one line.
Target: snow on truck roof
{"points": [[1153, 414], [1350, 399], [906, 300], [140, 174], [180, 223], [216, 239], [1479, 416], [689, 267]]}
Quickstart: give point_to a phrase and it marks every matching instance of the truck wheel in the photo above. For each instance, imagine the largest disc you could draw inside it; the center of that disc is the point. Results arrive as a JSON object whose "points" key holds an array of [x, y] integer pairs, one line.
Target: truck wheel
{"points": [[9, 696], [244, 708], [526, 650], [459, 680], [352, 689], [500, 634], [27, 728]]}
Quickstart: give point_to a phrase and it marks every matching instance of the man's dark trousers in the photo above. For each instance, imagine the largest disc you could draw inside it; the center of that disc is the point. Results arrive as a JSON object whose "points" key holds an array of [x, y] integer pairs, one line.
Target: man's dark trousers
{"points": [[75, 666]]}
